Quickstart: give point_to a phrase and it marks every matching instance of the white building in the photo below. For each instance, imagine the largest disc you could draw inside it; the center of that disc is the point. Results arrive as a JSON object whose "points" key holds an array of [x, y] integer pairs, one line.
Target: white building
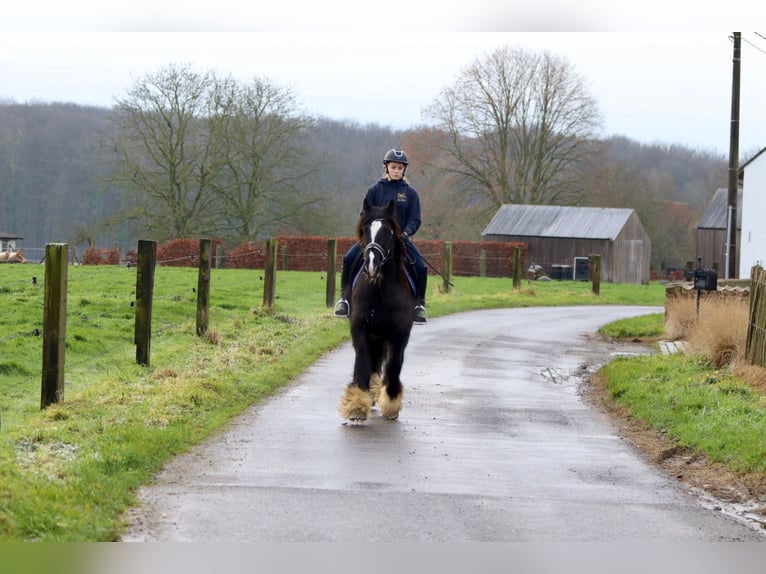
{"points": [[8, 242], [752, 248]]}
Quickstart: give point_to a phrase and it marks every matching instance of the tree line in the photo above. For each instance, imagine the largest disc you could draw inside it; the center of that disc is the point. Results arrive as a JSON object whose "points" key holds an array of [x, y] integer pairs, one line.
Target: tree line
{"points": [[190, 154]]}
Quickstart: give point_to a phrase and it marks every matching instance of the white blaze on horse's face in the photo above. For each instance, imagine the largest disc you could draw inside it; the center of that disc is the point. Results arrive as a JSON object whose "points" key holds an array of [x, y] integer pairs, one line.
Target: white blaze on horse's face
{"points": [[375, 228]]}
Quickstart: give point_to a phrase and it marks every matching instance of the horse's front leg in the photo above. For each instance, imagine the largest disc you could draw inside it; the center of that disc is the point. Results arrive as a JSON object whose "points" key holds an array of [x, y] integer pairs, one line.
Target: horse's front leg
{"points": [[356, 403], [376, 354], [390, 396]]}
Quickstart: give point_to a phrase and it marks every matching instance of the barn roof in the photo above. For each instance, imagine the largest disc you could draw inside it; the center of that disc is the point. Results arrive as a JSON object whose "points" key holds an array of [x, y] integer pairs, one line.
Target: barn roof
{"points": [[748, 162], [715, 215], [558, 221], [9, 236]]}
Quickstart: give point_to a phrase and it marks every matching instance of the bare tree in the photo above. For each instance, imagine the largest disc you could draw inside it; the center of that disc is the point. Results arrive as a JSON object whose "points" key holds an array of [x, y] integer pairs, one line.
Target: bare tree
{"points": [[448, 212], [201, 154], [517, 126], [264, 181], [168, 158]]}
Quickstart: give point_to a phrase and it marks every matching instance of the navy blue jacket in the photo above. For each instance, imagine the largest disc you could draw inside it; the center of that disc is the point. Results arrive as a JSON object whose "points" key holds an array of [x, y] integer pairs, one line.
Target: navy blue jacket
{"points": [[405, 199]]}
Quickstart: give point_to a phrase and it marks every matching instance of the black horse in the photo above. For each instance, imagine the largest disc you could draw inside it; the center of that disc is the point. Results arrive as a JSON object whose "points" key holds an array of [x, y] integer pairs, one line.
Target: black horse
{"points": [[382, 311]]}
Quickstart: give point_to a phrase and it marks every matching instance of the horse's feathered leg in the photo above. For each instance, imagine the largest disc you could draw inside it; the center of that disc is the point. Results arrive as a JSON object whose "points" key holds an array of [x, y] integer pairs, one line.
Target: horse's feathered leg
{"points": [[376, 383], [356, 402], [391, 393], [363, 365], [390, 407], [376, 355]]}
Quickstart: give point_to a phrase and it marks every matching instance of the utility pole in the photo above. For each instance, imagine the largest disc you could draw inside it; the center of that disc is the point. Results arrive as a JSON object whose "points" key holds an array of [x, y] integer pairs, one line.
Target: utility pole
{"points": [[731, 240]]}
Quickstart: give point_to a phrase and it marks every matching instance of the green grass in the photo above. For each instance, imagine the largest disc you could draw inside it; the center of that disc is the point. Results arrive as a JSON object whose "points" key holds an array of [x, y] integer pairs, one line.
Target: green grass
{"points": [[69, 472], [645, 327], [709, 411], [470, 293]]}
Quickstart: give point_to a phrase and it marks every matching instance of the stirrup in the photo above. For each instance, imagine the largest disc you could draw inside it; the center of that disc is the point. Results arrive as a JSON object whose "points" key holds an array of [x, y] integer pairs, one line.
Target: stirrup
{"points": [[341, 309], [420, 314]]}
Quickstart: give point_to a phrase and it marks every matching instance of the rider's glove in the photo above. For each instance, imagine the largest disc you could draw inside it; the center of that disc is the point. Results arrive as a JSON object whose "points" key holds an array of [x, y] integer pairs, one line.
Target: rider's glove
{"points": [[406, 237]]}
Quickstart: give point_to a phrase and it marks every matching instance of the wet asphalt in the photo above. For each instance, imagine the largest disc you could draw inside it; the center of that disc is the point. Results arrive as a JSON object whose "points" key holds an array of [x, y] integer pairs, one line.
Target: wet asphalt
{"points": [[494, 443]]}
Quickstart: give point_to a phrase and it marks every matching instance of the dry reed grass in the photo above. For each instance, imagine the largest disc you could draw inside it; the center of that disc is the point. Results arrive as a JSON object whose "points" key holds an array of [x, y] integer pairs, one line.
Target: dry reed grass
{"points": [[719, 333], [680, 317]]}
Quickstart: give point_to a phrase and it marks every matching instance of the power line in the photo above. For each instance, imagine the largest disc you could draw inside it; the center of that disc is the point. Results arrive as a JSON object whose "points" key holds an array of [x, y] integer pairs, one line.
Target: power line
{"points": [[753, 45]]}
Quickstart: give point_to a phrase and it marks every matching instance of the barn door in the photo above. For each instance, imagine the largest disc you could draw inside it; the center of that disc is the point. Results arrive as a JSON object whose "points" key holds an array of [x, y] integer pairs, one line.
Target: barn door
{"points": [[634, 254]]}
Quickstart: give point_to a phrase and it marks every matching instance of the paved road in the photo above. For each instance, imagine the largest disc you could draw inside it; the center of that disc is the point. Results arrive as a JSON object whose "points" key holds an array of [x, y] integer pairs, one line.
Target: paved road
{"points": [[494, 443]]}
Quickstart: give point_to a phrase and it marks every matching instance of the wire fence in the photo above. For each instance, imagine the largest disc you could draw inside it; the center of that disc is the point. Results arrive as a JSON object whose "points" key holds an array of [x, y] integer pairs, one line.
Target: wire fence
{"points": [[298, 253], [108, 318], [100, 319]]}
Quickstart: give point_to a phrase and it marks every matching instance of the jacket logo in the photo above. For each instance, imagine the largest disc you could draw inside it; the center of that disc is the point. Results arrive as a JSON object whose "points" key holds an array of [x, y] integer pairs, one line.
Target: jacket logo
{"points": [[401, 197]]}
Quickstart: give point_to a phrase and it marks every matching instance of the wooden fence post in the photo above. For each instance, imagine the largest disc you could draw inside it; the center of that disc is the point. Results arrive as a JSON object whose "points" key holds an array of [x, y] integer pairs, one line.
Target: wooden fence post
{"points": [[516, 268], [332, 255], [755, 345], [447, 283], [203, 286], [216, 256], [285, 258], [595, 273], [54, 324], [145, 264], [483, 263], [270, 273]]}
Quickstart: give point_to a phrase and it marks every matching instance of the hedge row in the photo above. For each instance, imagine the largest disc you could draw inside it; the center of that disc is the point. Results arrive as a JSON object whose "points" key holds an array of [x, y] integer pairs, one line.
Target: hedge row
{"points": [[307, 253]]}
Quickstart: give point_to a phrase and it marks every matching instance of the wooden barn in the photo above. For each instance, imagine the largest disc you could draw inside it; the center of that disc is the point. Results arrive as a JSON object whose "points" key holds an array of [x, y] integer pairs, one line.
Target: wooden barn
{"points": [[561, 239], [712, 230]]}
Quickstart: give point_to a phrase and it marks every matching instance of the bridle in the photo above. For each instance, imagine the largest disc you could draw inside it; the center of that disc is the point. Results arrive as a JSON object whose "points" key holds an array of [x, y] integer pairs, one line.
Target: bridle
{"points": [[375, 248], [385, 254]]}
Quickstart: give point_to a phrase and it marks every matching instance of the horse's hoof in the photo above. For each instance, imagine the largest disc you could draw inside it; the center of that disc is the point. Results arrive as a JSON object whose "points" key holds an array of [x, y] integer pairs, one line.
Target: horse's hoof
{"points": [[358, 416], [354, 422], [355, 405], [389, 407]]}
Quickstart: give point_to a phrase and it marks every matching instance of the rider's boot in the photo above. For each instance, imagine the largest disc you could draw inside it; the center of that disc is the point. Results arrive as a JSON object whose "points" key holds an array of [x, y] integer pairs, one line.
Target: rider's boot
{"points": [[420, 308], [343, 305], [420, 312]]}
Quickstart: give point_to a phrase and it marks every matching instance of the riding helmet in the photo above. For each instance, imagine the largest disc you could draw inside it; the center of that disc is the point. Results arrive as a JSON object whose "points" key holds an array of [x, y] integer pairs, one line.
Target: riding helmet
{"points": [[396, 155]]}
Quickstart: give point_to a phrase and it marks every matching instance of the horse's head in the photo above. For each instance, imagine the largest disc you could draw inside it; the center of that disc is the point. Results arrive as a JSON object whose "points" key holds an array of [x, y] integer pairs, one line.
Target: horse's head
{"points": [[380, 237]]}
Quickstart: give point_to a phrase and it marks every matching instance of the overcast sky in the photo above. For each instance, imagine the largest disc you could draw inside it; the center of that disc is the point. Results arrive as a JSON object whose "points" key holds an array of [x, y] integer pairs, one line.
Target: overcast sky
{"points": [[374, 65]]}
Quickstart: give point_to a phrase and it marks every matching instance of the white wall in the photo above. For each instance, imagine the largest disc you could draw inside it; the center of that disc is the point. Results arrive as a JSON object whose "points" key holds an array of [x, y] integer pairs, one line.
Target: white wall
{"points": [[752, 250]]}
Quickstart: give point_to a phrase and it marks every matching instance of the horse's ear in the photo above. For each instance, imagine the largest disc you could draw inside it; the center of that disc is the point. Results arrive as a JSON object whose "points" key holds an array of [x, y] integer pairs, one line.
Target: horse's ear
{"points": [[391, 208], [365, 205]]}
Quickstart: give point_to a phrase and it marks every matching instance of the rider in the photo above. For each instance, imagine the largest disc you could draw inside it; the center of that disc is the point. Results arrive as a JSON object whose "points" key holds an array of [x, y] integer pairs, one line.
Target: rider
{"points": [[392, 186]]}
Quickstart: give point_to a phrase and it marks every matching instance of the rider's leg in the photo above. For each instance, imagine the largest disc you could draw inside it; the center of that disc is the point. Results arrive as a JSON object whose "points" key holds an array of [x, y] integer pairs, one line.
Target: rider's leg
{"points": [[350, 259], [421, 282]]}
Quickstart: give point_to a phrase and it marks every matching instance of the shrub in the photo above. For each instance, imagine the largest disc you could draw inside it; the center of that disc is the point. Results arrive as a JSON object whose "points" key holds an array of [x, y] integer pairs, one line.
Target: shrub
{"points": [[96, 256]]}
